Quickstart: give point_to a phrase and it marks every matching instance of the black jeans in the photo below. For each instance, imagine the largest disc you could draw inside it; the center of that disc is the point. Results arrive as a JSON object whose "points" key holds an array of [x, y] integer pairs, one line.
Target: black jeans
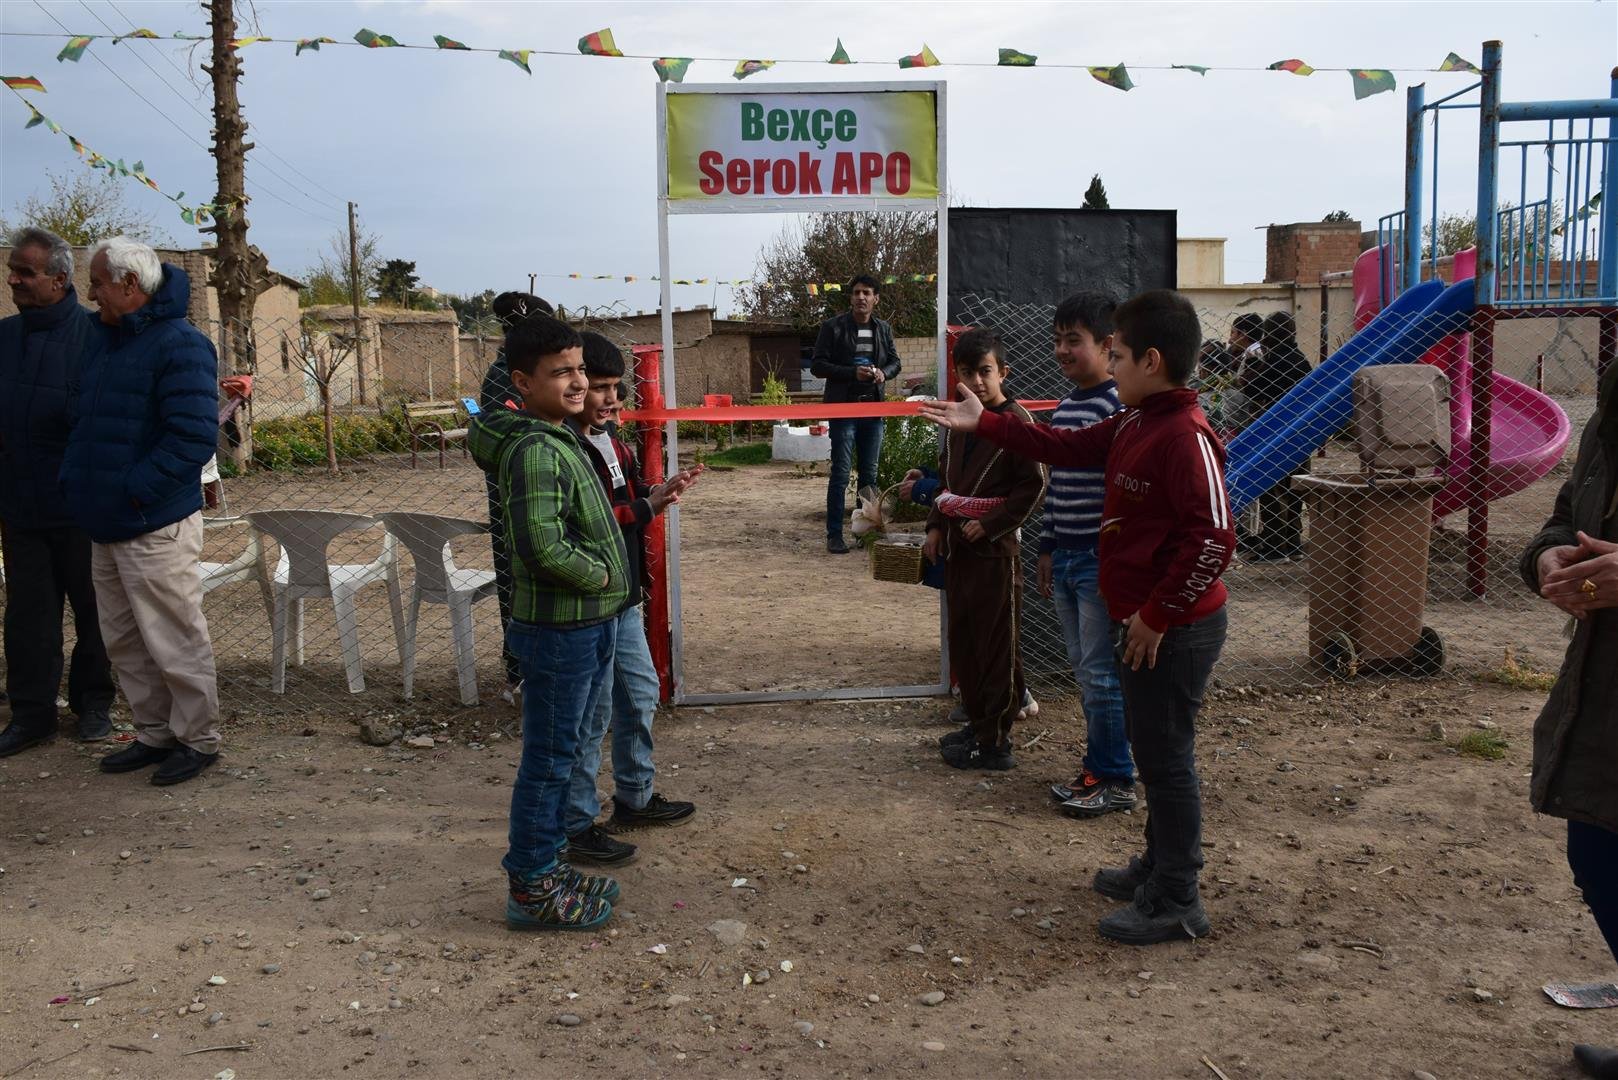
{"points": [[1160, 712], [1592, 852], [44, 568]]}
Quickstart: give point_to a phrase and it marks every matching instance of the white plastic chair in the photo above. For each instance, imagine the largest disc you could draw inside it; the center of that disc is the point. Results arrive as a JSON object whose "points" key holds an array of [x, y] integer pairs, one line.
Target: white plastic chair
{"points": [[248, 566], [439, 581], [302, 572]]}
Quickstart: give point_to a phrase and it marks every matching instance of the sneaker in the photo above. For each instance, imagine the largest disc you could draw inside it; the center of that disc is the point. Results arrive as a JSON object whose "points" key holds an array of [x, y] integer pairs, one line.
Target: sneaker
{"points": [[1120, 883], [599, 888], [1106, 798], [544, 902], [1153, 917], [657, 811], [1083, 784], [182, 765], [964, 734], [94, 725], [1030, 707], [594, 845], [974, 755]]}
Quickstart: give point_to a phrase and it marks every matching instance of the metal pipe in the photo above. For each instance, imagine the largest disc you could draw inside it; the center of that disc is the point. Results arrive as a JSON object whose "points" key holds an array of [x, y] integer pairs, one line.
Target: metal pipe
{"points": [[1488, 174], [1441, 102], [649, 395], [1555, 110], [1607, 281], [1415, 162]]}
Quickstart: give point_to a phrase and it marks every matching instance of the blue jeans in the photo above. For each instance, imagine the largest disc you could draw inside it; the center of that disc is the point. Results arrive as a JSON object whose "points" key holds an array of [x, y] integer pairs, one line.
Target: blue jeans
{"points": [[1087, 632], [861, 437], [1162, 703], [629, 704], [564, 672]]}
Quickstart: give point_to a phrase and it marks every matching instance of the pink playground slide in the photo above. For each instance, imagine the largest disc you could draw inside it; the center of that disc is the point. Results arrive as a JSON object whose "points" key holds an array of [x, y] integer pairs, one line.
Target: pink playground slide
{"points": [[1530, 431]]}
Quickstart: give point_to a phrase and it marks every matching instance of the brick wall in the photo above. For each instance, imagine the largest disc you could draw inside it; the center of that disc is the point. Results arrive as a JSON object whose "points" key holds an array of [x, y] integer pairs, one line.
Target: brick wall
{"points": [[1303, 252]]}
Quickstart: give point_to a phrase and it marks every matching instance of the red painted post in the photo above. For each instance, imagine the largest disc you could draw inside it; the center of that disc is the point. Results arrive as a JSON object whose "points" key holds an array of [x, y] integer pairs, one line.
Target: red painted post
{"points": [[649, 395], [1477, 466]]}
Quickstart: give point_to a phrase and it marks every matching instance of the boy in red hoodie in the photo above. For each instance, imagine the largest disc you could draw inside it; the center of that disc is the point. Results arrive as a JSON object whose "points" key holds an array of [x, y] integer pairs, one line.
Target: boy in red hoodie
{"points": [[1166, 537]]}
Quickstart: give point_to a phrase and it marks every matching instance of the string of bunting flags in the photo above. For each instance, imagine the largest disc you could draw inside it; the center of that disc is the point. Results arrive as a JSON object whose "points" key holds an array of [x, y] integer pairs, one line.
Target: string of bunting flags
{"points": [[1366, 81], [198, 214], [813, 288]]}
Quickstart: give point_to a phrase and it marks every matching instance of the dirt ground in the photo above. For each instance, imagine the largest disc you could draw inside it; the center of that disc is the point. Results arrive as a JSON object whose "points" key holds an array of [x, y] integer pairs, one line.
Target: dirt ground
{"points": [[1367, 884]]}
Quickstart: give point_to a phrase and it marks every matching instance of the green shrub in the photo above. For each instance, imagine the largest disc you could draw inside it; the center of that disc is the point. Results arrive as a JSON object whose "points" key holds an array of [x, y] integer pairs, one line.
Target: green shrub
{"points": [[908, 442], [300, 441]]}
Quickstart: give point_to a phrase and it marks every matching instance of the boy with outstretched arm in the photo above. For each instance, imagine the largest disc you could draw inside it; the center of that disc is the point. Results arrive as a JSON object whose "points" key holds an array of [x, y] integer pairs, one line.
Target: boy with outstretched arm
{"points": [[1069, 568], [629, 704], [973, 527], [1165, 540], [571, 580]]}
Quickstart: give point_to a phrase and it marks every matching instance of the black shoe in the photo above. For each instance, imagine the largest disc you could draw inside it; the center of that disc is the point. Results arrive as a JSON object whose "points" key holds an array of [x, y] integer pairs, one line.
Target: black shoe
{"points": [[974, 755], [94, 725], [657, 811], [1086, 783], [1120, 883], [1104, 799], [182, 765], [965, 734], [19, 737], [1600, 1062], [594, 845], [1152, 917], [835, 546], [137, 755]]}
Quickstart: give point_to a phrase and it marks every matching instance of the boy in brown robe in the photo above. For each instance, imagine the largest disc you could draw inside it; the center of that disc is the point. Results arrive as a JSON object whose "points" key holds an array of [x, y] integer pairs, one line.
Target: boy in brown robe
{"points": [[982, 569]]}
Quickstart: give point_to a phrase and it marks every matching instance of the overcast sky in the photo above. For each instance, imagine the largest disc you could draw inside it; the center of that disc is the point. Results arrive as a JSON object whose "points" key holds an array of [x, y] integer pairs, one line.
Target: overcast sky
{"points": [[482, 175]]}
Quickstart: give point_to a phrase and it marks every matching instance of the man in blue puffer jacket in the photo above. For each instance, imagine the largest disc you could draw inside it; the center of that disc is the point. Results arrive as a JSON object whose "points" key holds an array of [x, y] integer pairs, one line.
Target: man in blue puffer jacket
{"points": [[146, 423], [43, 348]]}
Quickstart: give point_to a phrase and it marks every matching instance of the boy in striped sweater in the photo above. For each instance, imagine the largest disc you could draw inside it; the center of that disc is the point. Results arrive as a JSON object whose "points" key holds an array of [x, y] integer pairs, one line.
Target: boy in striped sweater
{"points": [[1068, 566]]}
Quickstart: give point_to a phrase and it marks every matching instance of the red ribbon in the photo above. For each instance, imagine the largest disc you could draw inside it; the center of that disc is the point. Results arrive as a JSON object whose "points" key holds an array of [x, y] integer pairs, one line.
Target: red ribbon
{"points": [[854, 410]]}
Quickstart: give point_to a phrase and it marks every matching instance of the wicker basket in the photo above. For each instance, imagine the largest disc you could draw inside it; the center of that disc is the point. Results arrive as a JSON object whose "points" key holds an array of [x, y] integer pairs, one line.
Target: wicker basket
{"points": [[897, 557]]}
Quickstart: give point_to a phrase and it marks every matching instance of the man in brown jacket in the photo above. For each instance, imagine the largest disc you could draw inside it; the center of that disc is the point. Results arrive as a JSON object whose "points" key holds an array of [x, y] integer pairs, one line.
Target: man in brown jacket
{"points": [[982, 571]]}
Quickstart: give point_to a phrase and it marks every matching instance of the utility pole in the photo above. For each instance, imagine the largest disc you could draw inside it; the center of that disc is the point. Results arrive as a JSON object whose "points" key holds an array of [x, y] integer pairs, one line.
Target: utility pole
{"points": [[354, 299], [240, 271]]}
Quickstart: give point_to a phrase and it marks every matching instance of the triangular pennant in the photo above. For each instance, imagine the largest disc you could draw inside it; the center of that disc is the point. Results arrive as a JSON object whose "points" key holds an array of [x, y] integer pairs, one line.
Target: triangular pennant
{"points": [[923, 59], [630, 277], [1013, 58], [312, 43], [78, 147], [74, 49], [188, 216], [372, 40], [242, 43], [1454, 62], [744, 68], [141, 33], [682, 281], [599, 43], [1113, 76], [839, 55], [1198, 68], [448, 43], [1297, 67], [671, 68], [1368, 81], [518, 57], [35, 118], [23, 82]]}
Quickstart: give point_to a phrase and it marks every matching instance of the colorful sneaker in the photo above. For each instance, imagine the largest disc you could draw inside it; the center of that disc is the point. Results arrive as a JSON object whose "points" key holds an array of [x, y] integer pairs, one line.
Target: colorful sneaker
{"points": [[544, 902], [1081, 785], [1104, 799], [1120, 883], [1152, 917], [600, 888], [595, 845], [657, 811], [974, 755]]}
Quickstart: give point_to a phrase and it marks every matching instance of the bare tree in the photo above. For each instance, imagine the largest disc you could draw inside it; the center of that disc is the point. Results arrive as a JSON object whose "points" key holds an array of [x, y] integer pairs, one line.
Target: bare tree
{"points": [[321, 354]]}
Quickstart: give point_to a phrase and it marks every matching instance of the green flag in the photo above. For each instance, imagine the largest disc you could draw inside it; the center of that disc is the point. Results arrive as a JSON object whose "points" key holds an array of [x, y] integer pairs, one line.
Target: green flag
{"points": [[1297, 67], [1013, 58], [599, 43], [1198, 68], [1368, 81], [447, 42], [840, 54], [372, 40], [74, 49], [312, 43], [671, 68], [1454, 62], [744, 68], [518, 57], [1114, 76], [923, 59]]}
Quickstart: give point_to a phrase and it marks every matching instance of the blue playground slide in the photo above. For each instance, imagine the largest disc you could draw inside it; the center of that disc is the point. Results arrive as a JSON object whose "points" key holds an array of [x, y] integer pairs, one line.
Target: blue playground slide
{"points": [[1268, 449]]}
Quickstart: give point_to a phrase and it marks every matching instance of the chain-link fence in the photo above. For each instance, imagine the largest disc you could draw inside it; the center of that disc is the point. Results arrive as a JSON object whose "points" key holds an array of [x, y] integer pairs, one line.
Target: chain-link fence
{"points": [[1343, 575]]}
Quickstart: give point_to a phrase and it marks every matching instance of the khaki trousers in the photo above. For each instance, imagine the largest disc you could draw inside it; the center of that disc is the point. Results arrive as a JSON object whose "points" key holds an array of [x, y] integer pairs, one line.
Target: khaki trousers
{"points": [[149, 599]]}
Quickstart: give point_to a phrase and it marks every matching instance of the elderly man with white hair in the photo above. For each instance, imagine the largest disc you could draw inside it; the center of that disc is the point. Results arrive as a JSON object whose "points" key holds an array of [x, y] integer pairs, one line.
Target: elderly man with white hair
{"points": [[43, 350], [146, 423]]}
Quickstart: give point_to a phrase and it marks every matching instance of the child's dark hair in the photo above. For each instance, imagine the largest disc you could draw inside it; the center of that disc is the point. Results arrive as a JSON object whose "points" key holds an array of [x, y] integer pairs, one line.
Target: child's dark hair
{"points": [[1249, 325], [1280, 330], [602, 360], [538, 335], [868, 281], [1164, 320], [1088, 310], [974, 345], [513, 307]]}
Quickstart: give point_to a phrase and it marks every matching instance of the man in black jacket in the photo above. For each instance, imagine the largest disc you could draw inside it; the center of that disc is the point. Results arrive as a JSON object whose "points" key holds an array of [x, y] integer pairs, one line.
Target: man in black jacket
{"points": [[47, 557], [854, 353]]}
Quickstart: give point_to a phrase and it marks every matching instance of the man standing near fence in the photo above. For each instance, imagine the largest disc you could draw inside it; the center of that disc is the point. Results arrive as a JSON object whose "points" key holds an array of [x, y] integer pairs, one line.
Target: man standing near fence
{"points": [[146, 422], [43, 349], [854, 353]]}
